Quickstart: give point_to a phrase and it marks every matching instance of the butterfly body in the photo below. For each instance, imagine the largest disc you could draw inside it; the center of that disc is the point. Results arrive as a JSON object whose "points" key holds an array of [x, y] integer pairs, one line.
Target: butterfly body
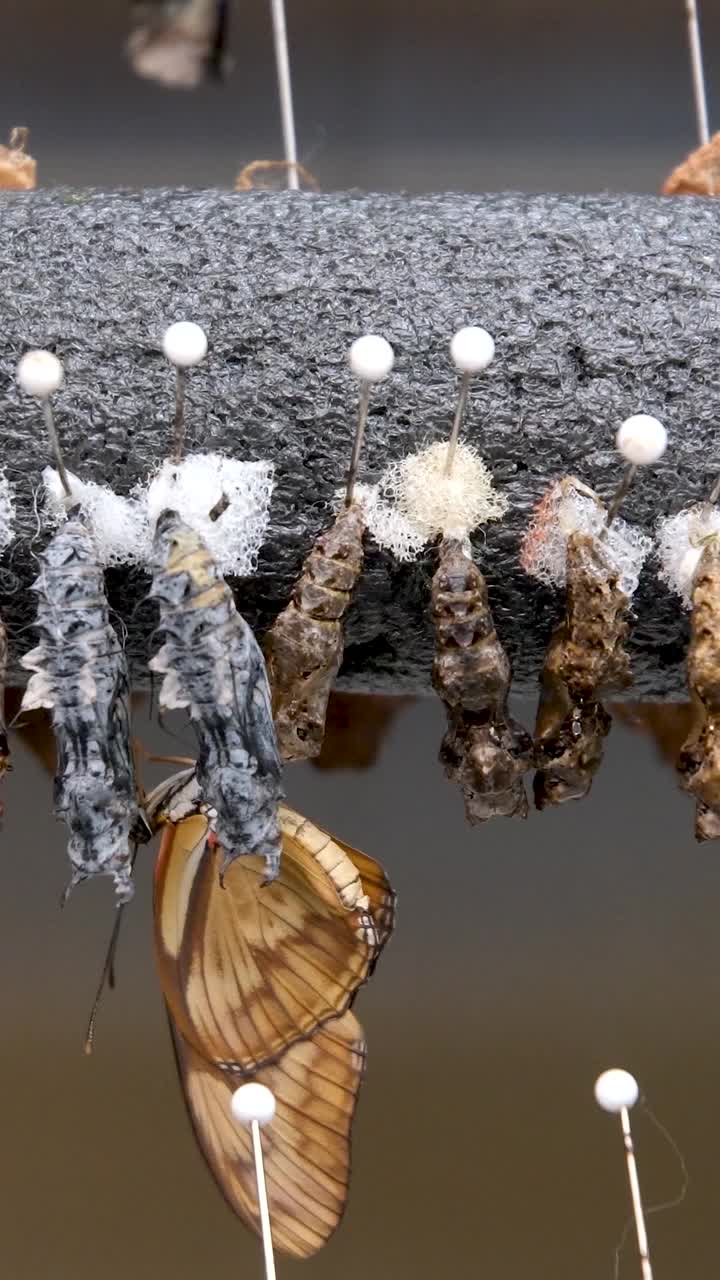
{"points": [[212, 666], [80, 675]]}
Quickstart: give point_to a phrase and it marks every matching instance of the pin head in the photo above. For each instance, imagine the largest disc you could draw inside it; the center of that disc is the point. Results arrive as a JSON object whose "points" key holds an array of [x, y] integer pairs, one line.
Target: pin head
{"points": [[641, 440], [616, 1090], [253, 1102], [185, 344], [472, 350], [371, 358], [40, 373]]}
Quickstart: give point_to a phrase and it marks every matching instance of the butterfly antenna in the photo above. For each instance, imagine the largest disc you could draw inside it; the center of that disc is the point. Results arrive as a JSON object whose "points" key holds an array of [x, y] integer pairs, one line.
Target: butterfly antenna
{"points": [[253, 1105], [698, 72], [472, 350], [617, 1092], [185, 344], [284, 84], [371, 359], [641, 440], [40, 374]]}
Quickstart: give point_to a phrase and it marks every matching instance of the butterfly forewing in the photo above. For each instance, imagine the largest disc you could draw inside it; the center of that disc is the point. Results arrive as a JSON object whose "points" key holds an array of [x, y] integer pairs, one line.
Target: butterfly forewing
{"points": [[306, 1147], [249, 968]]}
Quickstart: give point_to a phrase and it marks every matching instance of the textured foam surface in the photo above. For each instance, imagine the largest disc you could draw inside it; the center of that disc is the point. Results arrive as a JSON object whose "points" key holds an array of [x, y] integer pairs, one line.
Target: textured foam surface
{"points": [[600, 307]]}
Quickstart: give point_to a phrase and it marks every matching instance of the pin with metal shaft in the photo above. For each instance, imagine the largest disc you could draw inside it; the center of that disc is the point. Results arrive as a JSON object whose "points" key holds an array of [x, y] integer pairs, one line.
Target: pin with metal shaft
{"points": [[640, 440], [253, 1105], [616, 1091], [472, 350], [284, 82], [185, 345], [371, 360], [40, 374], [698, 73]]}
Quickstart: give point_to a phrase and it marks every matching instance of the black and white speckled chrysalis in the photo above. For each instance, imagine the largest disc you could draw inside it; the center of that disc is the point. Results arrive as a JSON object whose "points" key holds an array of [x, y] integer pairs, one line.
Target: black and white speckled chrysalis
{"points": [[213, 667], [80, 676]]}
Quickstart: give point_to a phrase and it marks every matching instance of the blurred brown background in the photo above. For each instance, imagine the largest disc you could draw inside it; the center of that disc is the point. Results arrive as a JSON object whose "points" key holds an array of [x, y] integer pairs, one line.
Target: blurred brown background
{"points": [[527, 957]]}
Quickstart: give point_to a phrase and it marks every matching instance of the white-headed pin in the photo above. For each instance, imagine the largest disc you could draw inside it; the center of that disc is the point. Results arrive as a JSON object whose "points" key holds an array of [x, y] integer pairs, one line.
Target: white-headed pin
{"points": [[371, 360], [253, 1105], [40, 374], [640, 440], [616, 1092], [472, 350], [185, 344]]}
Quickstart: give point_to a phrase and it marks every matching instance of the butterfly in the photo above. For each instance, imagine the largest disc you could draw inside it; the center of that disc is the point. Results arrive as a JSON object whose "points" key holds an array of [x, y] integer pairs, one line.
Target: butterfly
{"points": [[258, 981]]}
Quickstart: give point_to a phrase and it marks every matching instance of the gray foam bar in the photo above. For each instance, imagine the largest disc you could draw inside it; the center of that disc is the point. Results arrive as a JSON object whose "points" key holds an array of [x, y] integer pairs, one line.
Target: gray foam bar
{"points": [[600, 307]]}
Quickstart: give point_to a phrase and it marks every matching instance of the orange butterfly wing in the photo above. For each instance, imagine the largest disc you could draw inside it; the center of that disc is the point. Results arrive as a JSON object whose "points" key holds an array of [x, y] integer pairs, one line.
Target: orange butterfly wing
{"points": [[249, 969], [306, 1148]]}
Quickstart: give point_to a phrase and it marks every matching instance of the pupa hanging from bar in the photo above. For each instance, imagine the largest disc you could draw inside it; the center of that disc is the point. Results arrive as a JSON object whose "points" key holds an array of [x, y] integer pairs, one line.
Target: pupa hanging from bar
{"points": [[80, 675], [304, 646], [446, 491], [210, 660], [180, 43], [576, 542], [7, 523], [689, 554]]}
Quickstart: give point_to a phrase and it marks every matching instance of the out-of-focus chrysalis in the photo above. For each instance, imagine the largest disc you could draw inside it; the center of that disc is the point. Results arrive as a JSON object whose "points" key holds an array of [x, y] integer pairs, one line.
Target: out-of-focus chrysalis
{"points": [[689, 555], [180, 43], [304, 646], [18, 170]]}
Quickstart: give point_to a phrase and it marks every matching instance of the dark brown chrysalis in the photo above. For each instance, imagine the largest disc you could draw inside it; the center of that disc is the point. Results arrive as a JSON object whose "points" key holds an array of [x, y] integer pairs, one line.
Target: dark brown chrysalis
{"points": [[586, 658], [304, 646], [699, 761], [484, 750]]}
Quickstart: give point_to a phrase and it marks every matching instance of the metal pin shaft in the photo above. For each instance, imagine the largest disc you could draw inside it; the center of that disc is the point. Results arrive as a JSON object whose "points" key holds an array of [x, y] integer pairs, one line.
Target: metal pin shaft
{"points": [[263, 1203], [358, 441], [457, 422], [640, 1228], [620, 494], [55, 445], [287, 113], [179, 428], [698, 74]]}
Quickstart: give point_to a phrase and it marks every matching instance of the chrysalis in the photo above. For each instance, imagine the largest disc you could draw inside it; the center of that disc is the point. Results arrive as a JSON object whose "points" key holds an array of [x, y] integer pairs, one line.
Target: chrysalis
{"points": [[484, 749], [699, 760], [179, 43], [304, 646], [212, 665], [570, 543], [5, 765], [81, 676], [586, 656]]}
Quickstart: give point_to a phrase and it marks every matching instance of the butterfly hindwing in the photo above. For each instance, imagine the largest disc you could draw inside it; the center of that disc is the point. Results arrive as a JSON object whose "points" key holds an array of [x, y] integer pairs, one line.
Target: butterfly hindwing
{"points": [[306, 1148]]}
